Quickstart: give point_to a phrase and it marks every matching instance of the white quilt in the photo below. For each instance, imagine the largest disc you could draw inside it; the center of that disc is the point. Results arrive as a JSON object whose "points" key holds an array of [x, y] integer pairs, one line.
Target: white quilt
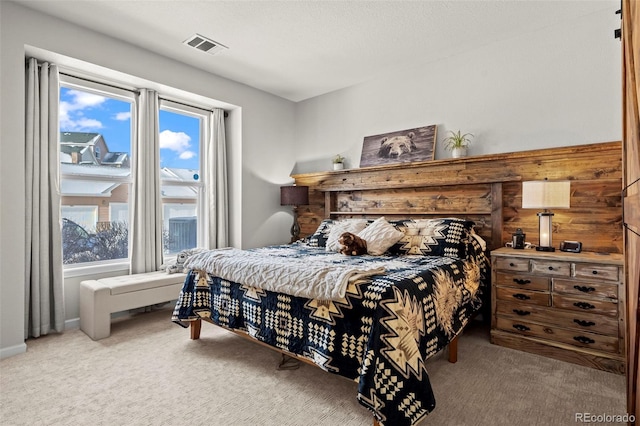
{"points": [[296, 277]]}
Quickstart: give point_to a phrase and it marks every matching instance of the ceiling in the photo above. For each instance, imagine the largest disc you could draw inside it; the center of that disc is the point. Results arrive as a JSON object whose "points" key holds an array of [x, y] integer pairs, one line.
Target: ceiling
{"points": [[301, 49]]}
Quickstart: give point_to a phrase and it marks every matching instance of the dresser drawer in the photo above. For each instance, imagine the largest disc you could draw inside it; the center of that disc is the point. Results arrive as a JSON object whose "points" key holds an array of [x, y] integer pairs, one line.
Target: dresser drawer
{"points": [[578, 287], [562, 305], [548, 267], [594, 323], [528, 282], [595, 271], [512, 264], [578, 338], [591, 306], [525, 296]]}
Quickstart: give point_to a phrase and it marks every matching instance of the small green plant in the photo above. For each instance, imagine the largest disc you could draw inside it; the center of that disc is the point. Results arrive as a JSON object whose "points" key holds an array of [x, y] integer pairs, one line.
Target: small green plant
{"points": [[338, 159], [457, 140]]}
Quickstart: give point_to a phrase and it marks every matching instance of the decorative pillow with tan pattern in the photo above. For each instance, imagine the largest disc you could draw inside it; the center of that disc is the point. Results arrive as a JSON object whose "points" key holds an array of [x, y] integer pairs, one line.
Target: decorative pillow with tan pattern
{"points": [[447, 237]]}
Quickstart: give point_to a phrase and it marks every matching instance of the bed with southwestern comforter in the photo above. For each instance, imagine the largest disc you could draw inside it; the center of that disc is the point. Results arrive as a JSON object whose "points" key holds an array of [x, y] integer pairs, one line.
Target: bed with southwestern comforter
{"points": [[383, 318]]}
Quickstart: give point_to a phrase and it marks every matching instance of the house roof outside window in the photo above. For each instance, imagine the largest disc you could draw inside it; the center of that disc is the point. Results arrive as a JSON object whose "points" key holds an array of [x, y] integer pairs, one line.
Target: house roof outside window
{"points": [[80, 157], [89, 148]]}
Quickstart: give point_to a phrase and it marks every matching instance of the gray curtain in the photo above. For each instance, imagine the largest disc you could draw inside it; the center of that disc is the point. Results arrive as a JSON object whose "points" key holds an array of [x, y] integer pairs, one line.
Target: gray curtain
{"points": [[44, 301], [146, 224], [215, 174]]}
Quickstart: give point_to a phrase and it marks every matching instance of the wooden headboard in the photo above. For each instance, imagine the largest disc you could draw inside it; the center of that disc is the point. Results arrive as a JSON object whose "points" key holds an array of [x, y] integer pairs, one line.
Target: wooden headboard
{"points": [[485, 189]]}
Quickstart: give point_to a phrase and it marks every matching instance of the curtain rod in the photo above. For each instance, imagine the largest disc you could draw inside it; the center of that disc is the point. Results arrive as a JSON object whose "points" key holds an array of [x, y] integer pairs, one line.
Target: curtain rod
{"points": [[226, 114], [100, 82]]}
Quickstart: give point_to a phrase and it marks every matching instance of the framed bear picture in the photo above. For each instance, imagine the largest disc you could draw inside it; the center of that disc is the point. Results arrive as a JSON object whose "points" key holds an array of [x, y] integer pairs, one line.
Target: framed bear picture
{"points": [[403, 146]]}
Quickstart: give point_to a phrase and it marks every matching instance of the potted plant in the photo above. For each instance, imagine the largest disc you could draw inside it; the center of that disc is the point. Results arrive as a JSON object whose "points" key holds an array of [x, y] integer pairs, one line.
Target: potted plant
{"points": [[457, 143], [338, 162]]}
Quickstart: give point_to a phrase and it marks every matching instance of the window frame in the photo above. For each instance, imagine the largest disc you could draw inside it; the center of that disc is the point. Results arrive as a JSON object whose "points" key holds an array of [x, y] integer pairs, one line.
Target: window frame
{"points": [[178, 107], [113, 90], [120, 94]]}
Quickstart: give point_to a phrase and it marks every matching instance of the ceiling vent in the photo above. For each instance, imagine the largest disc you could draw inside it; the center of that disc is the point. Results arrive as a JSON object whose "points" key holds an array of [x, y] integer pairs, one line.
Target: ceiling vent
{"points": [[205, 44]]}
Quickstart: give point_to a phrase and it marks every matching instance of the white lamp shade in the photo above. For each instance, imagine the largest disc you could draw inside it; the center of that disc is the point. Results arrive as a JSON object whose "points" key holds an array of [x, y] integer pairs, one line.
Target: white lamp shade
{"points": [[545, 194]]}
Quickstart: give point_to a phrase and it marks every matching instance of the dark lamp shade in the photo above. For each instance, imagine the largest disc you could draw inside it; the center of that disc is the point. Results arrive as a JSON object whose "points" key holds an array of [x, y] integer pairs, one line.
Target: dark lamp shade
{"points": [[294, 195]]}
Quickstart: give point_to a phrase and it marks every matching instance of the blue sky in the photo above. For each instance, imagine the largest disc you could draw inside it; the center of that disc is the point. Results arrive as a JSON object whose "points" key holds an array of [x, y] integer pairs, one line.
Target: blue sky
{"points": [[87, 112]]}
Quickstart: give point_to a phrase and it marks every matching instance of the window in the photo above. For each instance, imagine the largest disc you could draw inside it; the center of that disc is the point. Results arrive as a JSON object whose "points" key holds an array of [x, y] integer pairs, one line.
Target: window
{"points": [[96, 132], [181, 132], [95, 161]]}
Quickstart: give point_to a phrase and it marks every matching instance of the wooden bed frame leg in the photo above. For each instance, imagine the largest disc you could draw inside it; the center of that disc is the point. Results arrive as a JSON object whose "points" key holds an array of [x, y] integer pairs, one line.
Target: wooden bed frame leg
{"points": [[195, 329], [453, 350]]}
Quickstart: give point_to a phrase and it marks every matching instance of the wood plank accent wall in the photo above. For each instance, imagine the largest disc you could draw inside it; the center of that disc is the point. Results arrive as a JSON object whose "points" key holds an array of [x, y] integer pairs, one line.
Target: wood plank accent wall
{"points": [[473, 186]]}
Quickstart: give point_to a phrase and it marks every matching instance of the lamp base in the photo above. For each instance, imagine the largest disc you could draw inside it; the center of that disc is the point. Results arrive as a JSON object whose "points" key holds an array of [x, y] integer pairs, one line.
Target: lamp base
{"points": [[295, 228], [545, 248]]}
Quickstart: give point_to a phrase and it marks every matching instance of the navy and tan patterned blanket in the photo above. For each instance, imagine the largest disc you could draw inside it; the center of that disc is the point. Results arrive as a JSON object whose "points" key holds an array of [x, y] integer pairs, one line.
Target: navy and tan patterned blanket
{"points": [[380, 334]]}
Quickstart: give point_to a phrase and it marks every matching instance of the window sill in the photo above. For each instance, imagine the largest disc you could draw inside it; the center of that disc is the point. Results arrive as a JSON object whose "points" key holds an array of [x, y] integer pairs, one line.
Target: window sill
{"points": [[71, 271]]}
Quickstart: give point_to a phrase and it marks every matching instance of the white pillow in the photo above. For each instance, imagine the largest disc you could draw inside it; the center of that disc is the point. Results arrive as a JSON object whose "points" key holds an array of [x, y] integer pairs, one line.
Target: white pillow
{"points": [[348, 225], [380, 235]]}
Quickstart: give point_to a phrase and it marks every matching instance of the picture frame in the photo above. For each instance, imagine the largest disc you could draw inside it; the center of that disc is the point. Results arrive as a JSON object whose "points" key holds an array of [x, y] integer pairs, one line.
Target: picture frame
{"points": [[403, 146]]}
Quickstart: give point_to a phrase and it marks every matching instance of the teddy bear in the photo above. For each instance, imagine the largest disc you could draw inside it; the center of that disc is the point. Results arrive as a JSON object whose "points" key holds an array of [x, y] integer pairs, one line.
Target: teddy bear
{"points": [[181, 258], [352, 245]]}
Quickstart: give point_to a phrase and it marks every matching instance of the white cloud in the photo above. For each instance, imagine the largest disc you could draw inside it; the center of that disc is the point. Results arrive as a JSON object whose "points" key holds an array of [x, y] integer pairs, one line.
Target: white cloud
{"points": [[82, 100], [123, 116], [71, 112], [76, 121], [175, 141], [89, 123], [186, 155]]}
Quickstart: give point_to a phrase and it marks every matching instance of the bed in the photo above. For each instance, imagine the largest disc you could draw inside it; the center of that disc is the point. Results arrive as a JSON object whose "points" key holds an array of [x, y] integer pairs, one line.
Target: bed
{"points": [[374, 319]]}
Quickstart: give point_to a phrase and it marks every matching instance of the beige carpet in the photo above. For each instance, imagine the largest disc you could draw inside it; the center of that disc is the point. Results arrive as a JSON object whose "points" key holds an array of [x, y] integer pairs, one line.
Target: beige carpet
{"points": [[150, 373]]}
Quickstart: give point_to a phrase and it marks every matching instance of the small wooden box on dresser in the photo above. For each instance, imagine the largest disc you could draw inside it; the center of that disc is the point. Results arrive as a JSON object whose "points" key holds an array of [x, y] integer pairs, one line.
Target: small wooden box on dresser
{"points": [[567, 306]]}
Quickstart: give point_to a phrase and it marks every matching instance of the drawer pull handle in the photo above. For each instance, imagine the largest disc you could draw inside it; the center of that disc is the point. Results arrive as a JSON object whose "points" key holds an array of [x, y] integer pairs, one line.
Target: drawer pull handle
{"points": [[551, 268], [584, 305], [594, 272], [583, 339], [521, 312], [521, 327], [584, 323], [584, 288], [521, 296], [512, 264], [520, 281]]}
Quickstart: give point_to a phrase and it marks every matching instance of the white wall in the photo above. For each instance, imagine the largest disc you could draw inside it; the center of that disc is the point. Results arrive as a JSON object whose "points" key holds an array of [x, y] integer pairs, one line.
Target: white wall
{"points": [[555, 87], [260, 145]]}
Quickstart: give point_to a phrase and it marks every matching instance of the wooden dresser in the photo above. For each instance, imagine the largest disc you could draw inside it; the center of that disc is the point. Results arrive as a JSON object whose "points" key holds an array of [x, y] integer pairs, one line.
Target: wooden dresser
{"points": [[568, 306]]}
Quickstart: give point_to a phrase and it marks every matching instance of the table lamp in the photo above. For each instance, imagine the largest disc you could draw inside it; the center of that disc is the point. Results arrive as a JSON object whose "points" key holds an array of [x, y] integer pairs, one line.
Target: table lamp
{"points": [[294, 196], [545, 194]]}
